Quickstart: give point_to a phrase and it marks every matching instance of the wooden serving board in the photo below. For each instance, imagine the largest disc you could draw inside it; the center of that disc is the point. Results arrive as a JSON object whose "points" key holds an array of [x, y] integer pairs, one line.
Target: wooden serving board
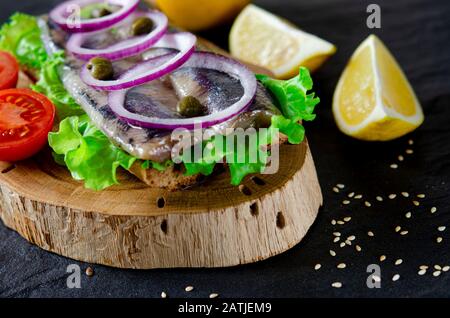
{"points": [[133, 226]]}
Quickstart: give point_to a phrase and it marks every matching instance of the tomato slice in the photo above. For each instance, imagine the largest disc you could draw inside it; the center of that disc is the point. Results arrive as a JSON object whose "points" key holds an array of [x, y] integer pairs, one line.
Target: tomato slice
{"points": [[26, 117], [9, 70]]}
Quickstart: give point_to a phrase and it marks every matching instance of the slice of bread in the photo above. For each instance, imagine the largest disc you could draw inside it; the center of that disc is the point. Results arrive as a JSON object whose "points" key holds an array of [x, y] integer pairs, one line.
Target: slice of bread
{"points": [[173, 178]]}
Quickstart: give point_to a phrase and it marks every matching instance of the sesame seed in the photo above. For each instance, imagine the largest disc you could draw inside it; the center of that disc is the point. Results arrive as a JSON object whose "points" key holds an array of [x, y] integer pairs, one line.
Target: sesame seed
{"points": [[421, 196], [347, 219], [433, 210], [341, 266], [340, 222], [392, 196], [398, 262], [408, 215], [370, 233], [189, 288], [348, 242], [337, 285], [89, 272], [367, 204], [409, 151], [351, 238], [332, 253], [396, 277], [382, 258], [346, 202], [436, 273], [358, 196], [340, 185], [423, 267], [337, 233], [405, 194], [379, 198], [394, 166], [213, 295], [333, 222], [317, 267], [342, 244], [437, 267], [163, 295], [404, 232], [358, 248], [410, 142], [400, 158], [376, 278], [398, 228], [441, 228], [439, 240], [336, 239], [335, 189], [416, 203], [351, 194], [446, 268], [422, 272]]}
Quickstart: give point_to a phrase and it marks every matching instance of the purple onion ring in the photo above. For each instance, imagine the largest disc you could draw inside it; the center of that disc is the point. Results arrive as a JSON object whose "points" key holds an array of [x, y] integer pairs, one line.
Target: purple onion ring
{"points": [[124, 48], [200, 60], [142, 73], [62, 15]]}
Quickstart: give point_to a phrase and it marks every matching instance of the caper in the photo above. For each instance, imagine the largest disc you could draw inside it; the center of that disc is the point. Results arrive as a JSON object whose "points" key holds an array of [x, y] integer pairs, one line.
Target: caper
{"points": [[101, 68], [190, 106], [103, 12], [99, 11], [141, 26]]}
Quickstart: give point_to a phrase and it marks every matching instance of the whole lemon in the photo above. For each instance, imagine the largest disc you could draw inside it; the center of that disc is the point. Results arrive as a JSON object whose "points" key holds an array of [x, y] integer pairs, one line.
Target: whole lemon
{"points": [[197, 15]]}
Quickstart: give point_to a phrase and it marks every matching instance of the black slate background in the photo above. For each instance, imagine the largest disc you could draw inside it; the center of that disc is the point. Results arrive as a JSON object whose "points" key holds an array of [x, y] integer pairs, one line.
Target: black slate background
{"points": [[418, 33]]}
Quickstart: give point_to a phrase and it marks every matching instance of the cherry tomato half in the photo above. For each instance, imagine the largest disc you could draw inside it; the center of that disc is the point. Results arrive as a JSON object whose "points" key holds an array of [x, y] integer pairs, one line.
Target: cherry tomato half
{"points": [[26, 117], [9, 70]]}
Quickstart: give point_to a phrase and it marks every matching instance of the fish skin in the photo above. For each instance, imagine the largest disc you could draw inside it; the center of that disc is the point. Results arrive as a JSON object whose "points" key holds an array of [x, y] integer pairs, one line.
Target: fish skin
{"points": [[142, 143]]}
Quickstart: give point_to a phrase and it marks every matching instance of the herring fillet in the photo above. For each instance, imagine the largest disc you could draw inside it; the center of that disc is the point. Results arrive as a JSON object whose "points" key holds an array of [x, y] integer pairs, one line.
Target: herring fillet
{"points": [[146, 144], [142, 143]]}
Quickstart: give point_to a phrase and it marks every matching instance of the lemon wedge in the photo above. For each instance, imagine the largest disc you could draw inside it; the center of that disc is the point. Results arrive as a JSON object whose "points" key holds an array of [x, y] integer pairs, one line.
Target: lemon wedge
{"points": [[198, 15], [373, 99], [263, 39]]}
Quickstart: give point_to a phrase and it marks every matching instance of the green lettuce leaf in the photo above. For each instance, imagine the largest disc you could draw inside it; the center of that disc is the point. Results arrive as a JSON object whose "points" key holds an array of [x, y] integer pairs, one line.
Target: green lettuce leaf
{"points": [[161, 167], [292, 95], [254, 156], [51, 86], [200, 167], [211, 153], [294, 102], [146, 164], [292, 129], [253, 160], [239, 170], [22, 37], [88, 153]]}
